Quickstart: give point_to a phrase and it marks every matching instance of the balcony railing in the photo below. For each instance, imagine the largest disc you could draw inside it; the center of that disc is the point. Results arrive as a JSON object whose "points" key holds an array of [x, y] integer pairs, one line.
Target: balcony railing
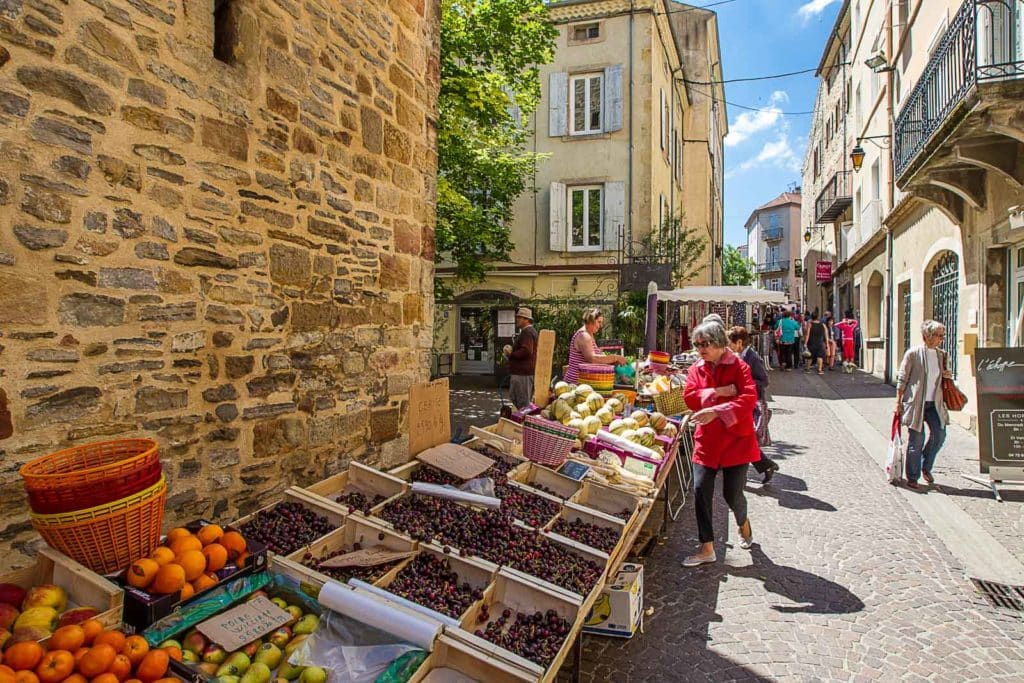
{"points": [[772, 234], [773, 266], [834, 198], [871, 218], [982, 43]]}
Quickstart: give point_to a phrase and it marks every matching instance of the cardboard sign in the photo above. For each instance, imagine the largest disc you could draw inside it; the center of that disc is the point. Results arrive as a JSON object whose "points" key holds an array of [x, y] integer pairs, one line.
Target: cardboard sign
{"points": [[542, 372], [367, 557], [462, 462], [241, 625], [999, 381], [430, 423]]}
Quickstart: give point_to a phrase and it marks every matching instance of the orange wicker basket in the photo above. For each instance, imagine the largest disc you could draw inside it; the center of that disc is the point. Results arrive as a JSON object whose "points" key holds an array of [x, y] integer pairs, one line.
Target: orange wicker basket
{"points": [[108, 538], [92, 464]]}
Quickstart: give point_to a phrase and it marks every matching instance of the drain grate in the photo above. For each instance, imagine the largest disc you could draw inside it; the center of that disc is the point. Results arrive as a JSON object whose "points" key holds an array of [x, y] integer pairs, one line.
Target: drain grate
{"points": [[1000, 594]]}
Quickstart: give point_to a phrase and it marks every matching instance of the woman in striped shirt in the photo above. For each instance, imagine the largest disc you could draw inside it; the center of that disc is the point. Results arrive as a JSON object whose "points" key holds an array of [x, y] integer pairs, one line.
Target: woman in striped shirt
{"points": [[583, 348]]}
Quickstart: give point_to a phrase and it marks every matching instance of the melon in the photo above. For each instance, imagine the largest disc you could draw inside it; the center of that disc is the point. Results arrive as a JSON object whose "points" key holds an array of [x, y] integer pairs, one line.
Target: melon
{"points": [[560, 410], [630, 423], [584, 390], [592, 424], [670, 430], [605, 415], [577, 424], [658, 421], [642, 417], [577, 445], [583, 410], [562, 388], [595, 401], [613, 404], [617, 427], [647, 436]]}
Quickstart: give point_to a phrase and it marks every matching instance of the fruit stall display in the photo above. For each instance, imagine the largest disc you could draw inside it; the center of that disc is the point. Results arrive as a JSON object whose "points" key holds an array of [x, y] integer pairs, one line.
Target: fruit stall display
{"points": [[295, 522], [359, 488], [608, 500], [441, 581], [453, 657], [547, 480], [591, 528]]}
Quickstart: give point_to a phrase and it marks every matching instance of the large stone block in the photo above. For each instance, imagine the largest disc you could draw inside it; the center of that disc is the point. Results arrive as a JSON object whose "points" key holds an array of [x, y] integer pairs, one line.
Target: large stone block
{"points": [[155, 399], [91, 310], [226, 137], [67, 86], [290, 265]]}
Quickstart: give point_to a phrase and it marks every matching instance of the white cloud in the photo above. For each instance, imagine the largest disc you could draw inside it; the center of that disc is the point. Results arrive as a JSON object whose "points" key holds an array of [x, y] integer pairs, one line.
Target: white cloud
{"points": [[778, 153], [812, 8], [751, 122]]}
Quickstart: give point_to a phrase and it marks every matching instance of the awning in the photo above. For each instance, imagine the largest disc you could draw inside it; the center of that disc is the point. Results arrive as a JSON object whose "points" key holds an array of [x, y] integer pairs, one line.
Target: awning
{"points": [[722, 294]]}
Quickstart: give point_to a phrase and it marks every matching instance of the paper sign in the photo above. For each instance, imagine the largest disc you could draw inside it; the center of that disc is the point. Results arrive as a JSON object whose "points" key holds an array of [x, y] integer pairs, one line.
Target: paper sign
{"points": [[241, 625], [367, 557], [430, 423], [542, 372], [464, 463]]}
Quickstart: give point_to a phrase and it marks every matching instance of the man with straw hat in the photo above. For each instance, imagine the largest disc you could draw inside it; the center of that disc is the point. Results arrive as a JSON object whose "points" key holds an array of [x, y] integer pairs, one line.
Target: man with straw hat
{"points": [[522, 359]]}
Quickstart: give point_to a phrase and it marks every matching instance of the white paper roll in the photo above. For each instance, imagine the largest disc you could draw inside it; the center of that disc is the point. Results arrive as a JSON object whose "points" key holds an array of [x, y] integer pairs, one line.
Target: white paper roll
{"points": [[439, 491], [408, 604], [368, 609], [626, 444]]}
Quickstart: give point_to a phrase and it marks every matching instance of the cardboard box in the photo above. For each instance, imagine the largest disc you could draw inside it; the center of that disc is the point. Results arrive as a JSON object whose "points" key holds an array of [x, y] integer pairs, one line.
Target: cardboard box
{"points": [[618, 610]]}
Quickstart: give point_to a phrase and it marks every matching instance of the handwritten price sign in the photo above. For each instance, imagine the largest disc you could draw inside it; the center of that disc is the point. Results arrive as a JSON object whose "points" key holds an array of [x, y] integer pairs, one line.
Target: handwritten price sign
{"points": [[241, 625], [430, 423]]}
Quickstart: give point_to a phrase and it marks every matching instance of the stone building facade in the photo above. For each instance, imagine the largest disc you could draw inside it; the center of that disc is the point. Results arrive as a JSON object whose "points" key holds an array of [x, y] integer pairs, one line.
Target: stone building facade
{"points": [[216, 229]]}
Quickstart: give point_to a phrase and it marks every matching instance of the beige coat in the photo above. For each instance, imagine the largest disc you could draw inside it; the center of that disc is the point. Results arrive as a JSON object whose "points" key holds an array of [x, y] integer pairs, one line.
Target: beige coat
{"points": [[911, 381]]}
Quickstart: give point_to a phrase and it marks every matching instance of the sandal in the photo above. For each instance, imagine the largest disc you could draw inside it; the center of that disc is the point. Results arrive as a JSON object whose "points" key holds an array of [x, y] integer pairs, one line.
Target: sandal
{"points": [[746, 542], [697, 560]]}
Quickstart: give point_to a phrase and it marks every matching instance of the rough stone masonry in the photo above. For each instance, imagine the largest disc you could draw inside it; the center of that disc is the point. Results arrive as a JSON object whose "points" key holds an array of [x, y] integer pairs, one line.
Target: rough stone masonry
{"points": [[216, 228]]}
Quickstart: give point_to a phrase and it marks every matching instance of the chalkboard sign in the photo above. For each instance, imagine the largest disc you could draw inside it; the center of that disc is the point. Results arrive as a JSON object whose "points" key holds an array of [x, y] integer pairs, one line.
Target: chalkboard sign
{"points": [[999, 374], [574, 470]]}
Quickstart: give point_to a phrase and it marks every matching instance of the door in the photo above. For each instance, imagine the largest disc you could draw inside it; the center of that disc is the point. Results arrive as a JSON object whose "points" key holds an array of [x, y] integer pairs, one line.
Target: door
{"points": [[946, 303], [476, 341], [506, 330], [905, 310], [1015, 293]]}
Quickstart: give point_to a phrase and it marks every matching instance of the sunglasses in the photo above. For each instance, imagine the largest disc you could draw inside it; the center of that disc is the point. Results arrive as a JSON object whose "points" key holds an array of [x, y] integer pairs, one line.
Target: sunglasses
{"points": [[702, 344]]}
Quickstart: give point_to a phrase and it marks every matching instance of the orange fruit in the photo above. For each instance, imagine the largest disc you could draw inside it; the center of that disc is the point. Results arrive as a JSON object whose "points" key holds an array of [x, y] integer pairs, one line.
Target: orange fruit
{"points": [[235, 544], [121, 667], [68, 638], [181, 545], [153, 666], [169, 579], [203, 583], [193, 562], [97, 660], [216, 556], [6, 674], [173, 652], [76, 678], [23, 656], [242, 559], [25, 677], [79, 653], [114, 639], [162, 555], [92, 629], [55, 666], [187, 591], [105, 677], [210, 533], [142, 572], [176, 533], [135, 680], [135, 647]]}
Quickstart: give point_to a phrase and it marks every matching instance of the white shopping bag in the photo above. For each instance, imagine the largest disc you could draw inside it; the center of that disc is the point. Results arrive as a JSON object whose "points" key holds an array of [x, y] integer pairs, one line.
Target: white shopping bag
{"points": [[894, 459]]}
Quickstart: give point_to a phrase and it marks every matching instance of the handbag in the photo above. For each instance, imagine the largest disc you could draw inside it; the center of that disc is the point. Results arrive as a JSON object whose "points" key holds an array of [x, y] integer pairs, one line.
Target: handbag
{"points": [[954, 399]]}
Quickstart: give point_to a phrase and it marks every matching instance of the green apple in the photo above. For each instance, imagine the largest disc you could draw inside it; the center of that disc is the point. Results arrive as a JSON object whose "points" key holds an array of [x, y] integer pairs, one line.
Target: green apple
{"points": [[313, 674], [307, 624], [280, 602], [295, 612], [269, 654], [189, 657], [171, 643], [257, 673], [235, 665], [290, 672], [280, 637], [295, 644], [214, 654]]}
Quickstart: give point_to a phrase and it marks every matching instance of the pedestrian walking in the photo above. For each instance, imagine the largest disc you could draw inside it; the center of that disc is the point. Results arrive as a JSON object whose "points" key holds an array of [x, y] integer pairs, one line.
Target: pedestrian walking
{"points": [[739, 342], [830, 353], [522, 359], [722, 394], [816, 341], [583, 346], [788, 328], [848, 330], [919, 401]]}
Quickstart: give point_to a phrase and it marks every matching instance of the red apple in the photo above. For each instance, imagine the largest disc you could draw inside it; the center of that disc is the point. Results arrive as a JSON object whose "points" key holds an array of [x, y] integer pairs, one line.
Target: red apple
{"points": [[12, 594], [46, 595], [8, 615], [77, 616]]}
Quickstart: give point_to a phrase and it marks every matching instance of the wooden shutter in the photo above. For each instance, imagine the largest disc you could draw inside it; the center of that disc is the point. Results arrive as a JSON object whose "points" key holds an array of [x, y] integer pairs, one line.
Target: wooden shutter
{"points": [[614, 214], [557, 228], [613, 98], [558, 103]]}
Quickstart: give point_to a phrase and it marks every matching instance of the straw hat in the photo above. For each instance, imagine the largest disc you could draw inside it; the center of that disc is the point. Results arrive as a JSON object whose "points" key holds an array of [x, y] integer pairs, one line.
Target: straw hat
{"points": [[525, 313]]}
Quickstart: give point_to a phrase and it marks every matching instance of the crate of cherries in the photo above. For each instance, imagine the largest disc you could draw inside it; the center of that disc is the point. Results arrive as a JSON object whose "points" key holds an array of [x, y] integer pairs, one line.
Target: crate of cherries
{"points": [[294, 523]]}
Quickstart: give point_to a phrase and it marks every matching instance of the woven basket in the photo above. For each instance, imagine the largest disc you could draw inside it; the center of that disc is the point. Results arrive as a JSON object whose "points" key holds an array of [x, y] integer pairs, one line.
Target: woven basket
{"points": [[671, 402], [600, 377], [546, 442], [107, 538], [660, 357], [92, 464], [54, 501]]}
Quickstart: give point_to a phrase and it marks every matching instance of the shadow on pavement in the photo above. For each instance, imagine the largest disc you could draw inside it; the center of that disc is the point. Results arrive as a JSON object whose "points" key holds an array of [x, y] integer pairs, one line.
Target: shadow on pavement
{"points": [[781, 450], [790, 499], [1008, 495], [816, 594]]}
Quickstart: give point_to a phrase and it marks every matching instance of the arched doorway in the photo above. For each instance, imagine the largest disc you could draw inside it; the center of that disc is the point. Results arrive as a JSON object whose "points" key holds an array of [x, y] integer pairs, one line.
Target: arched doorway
{"points": [[945, 290]]}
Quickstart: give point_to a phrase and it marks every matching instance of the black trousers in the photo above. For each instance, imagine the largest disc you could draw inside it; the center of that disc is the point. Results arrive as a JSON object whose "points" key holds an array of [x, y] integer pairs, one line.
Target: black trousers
{"points": [[763, 464], [788, 355], [733, 480]]}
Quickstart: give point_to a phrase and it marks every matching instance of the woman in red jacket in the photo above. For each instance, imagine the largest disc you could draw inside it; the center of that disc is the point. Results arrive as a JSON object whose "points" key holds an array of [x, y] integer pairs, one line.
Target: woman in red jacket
{"points": [[720, 391]]}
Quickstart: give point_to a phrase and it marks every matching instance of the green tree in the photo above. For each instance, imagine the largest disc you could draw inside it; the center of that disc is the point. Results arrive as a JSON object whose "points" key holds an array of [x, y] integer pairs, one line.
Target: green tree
{"points": [[490, 52], [736, 268], [679, 245]]}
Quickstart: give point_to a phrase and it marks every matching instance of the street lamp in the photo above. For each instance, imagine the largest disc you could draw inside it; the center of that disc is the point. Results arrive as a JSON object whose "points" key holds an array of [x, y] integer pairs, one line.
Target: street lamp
{"points": [[857, 157], [878, 63]]}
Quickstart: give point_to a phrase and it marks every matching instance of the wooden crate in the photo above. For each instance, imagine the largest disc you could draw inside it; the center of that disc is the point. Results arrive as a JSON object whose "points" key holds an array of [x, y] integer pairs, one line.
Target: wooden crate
{"points": [[539, 493], [587, 553], [452, 654], [572, 512], [608, 500], [360, 478], [534, 475], [356, 529], [333, 512], [84, 587], [509, 591], [505, 435]]}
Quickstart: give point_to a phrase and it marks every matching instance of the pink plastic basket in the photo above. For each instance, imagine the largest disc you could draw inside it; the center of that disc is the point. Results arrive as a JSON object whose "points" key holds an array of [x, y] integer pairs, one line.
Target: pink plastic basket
{"points": [[546, 442]]}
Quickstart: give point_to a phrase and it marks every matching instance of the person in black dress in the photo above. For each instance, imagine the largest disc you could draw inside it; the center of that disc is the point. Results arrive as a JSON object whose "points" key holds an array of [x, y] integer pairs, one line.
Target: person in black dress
{"points": [[816, 341]]}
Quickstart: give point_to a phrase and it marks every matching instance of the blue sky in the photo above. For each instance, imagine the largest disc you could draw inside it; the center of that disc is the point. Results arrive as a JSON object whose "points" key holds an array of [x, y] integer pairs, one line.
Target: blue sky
{"points": [[765, 148]]}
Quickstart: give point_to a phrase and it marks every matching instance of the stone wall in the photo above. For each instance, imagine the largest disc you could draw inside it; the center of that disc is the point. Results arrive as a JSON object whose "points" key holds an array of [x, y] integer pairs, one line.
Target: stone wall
{"points": [[232, 255]]}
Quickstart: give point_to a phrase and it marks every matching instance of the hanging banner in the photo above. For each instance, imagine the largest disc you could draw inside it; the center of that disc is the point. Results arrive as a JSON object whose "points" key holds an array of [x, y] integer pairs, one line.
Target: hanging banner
{"points": [[823, 271], [999, 375]]}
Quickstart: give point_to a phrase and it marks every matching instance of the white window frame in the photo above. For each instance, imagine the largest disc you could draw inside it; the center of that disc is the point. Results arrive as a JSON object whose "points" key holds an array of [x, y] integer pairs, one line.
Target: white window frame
{"points": [[573, 38], [587, 79], [585, 189]]}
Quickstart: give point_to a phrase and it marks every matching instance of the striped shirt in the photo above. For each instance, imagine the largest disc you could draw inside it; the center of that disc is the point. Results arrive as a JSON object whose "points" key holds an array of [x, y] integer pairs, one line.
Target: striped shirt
{"points": [[572, 372]]}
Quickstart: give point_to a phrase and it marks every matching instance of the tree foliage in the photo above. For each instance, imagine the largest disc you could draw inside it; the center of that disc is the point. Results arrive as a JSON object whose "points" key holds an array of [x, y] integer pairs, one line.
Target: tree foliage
{"points": [[679, 245], [490, 50], [736, 268]]}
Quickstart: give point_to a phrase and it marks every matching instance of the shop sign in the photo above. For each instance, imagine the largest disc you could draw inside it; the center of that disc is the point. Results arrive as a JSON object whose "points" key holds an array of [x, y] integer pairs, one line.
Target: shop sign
{"points": [[999, 374], [633, 277], [823, 271]]}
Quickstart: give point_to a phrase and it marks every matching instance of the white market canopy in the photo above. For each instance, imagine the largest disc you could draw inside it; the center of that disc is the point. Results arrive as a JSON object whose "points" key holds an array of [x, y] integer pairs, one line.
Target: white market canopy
{"points": [[727, 294]]}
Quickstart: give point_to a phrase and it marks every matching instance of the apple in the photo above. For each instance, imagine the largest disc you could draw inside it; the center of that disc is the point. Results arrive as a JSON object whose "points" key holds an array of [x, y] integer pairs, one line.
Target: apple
{"points": [[12, 594], [290, 672], [270, 655], [194, 642], [214, 654], [252, 648], [77, 616], [295, 612], [189, 657], [258, 672], [307, 624], [47, 595], [8, 615], [313, 674], [280, 637], [5, 635], [44, 618], [280, 602]]}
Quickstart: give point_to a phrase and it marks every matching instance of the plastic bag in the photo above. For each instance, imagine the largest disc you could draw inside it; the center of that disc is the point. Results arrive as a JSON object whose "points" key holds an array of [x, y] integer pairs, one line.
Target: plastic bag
{"points": [[352, 651], [482, 486], [894, 458]]}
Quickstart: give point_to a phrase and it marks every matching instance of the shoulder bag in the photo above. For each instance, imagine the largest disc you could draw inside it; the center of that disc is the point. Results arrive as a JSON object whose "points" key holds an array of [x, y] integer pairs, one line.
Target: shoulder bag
{"points": [[951, 395]]}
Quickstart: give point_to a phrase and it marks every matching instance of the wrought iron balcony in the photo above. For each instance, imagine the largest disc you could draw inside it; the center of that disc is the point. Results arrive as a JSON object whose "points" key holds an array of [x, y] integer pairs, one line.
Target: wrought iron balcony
{"points": [[773, 267], [772, 234], [982, 44], [834, 198]]}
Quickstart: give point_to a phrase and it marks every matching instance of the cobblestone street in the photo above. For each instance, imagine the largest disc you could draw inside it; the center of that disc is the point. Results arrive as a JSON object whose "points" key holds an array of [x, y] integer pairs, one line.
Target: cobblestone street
{"points": [[846, 580]]}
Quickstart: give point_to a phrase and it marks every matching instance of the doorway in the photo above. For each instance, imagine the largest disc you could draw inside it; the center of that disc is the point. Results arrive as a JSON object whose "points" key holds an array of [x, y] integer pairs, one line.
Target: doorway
{"points": [[1016, 292], [483, 331], [946, 303]]}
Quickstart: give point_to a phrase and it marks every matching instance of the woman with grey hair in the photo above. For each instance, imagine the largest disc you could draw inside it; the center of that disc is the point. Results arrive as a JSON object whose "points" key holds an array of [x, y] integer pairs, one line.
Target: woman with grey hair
{"points": [[722, 394], [919, 401]]}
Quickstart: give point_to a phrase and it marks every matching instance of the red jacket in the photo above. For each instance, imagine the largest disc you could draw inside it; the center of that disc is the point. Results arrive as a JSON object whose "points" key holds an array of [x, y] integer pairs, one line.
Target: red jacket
{"points": [[729, 440]]}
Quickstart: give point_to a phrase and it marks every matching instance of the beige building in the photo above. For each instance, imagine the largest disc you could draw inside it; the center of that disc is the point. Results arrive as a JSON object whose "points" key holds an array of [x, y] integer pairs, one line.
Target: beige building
{"points": [[938, 111], [217, 233], [629, 148], [773, 242]]}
